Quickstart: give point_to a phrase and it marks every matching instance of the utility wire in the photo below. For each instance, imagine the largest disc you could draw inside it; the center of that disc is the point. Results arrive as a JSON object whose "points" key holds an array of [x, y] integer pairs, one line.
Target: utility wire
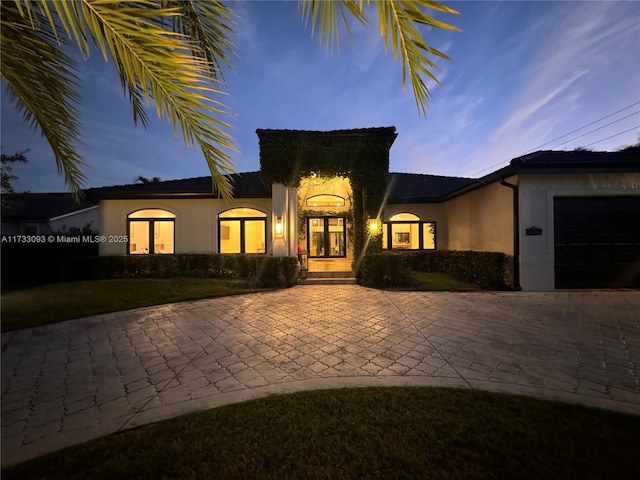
{"points": [[607, 138], [573, 131], [593, 143], [584, 126], [595, 129]]}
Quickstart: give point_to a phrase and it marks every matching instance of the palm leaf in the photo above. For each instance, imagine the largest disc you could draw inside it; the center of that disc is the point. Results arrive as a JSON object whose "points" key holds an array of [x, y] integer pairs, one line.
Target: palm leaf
{"points": [[208, 26], [399, 21], [326, 14], [154, 63], [41, 80]]}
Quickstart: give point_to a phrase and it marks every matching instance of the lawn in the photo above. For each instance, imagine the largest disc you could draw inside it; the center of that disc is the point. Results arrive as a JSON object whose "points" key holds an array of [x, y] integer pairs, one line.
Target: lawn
{"points": [[45, 304], [364, 433], [441, 282]]}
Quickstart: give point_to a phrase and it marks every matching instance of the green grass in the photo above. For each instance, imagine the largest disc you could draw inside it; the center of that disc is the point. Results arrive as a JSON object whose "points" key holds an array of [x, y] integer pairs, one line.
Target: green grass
{"points": [[45, 304], [440, 282], [364, 433]]}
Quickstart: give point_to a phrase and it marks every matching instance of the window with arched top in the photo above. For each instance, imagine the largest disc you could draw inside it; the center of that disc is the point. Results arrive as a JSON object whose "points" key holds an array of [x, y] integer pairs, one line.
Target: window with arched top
{"points": [[242, 230], [325, 201], [151, 231], [406, 231], [242, 213], [404, 217]]}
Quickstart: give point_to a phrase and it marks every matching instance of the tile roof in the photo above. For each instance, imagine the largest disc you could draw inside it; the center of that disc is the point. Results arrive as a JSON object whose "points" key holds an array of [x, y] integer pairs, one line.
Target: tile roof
{"points": [[378, 131], [578, 160], [414, 187], [40, 206], [403, 187], [245, 185]]}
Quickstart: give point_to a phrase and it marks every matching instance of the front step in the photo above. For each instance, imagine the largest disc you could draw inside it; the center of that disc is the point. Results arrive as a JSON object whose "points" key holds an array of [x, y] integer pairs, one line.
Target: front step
{"points": [[328, 278]]}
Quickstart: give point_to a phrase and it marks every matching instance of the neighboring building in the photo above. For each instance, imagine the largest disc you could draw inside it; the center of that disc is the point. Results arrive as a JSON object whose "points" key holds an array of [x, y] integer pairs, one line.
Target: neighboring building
{"points": [[566, 219], [41, 213]]}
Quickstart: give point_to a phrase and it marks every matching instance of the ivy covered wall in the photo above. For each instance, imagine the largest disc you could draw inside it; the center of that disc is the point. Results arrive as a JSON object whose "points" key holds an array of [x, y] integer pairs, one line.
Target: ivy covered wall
{"points": [[361, 155]]}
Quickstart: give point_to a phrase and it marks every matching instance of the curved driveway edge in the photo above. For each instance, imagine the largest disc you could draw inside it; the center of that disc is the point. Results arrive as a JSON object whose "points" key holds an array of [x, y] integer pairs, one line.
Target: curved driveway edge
{"points": [[74, 381]]}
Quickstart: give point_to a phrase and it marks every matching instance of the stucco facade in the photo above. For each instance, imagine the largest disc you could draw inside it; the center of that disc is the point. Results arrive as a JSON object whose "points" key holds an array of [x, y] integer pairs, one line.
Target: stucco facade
{"points": [[482, 219], [196, 221], [537, 193]]}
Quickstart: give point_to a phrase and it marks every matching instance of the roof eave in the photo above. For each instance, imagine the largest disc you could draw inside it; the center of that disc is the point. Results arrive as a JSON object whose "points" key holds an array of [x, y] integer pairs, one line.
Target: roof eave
{"points": [[493, 177]]}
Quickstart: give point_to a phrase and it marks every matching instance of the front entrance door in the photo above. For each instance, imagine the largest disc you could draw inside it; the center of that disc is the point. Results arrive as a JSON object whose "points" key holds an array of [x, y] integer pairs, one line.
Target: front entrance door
{"points": [[326, 237]]}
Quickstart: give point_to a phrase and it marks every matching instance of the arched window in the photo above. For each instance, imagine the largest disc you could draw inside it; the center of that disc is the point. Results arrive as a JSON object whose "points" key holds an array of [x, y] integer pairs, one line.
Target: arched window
{"points": [[242, 230], [325, 201], [151, 231], [406, 231]]}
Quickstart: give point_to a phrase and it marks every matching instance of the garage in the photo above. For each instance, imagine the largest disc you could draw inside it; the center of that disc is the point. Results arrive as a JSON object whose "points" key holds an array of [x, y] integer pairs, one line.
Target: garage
{"points": [[597, 242]]}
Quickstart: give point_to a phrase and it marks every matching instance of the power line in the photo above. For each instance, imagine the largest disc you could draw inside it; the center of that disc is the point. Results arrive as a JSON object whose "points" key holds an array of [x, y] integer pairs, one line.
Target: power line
{"points": [[573, 131], [596, 129], [489, 167], [607, 138], [592, 143], [584, 126]]}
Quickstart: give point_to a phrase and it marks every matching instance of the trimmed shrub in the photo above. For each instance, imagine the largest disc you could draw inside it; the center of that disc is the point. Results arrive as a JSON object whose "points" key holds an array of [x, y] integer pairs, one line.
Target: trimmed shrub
{"points": [[266, 270], [484, 269], [385, 270]]}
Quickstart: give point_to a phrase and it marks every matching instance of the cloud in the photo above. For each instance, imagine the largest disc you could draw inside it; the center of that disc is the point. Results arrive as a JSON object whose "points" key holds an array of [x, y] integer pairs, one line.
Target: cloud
{"points": [[526, 111]]}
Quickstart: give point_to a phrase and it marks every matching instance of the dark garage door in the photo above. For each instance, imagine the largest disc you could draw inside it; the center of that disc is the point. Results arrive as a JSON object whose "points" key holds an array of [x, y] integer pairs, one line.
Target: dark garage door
{"points": [[597, 242]]}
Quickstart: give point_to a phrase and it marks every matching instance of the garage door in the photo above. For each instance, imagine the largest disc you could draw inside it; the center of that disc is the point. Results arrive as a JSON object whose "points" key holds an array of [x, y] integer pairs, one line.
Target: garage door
{"points": [[597, 242]]}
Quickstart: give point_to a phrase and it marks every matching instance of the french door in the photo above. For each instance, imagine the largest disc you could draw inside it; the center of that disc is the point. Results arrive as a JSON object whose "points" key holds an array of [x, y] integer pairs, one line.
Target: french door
{"points": [[326, 237]]}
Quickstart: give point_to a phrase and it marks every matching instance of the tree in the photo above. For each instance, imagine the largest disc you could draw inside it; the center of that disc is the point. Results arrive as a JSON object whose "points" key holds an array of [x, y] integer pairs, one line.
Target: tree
{"points": [[6, 176], [171, 52], [635, 147], [142, 179]]}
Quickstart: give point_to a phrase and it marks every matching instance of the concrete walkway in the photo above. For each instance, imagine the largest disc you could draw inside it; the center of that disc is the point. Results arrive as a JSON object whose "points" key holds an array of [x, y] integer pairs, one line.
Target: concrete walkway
{"points": [[78, 380]]}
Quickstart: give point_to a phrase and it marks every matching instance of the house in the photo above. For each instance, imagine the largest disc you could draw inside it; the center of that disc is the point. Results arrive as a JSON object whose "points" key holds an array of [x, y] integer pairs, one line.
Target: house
{"points": [[565, 219], [42, 213]]}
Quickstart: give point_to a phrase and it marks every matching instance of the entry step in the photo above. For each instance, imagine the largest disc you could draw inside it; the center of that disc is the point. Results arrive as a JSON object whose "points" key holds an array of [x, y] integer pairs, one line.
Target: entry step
{"points": [[327, 281], [345, 277], [332, 274]]}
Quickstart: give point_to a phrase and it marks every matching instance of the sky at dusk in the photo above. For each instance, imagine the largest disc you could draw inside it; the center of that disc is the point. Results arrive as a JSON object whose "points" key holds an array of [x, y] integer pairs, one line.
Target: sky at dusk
{"points": [[522, 75]]}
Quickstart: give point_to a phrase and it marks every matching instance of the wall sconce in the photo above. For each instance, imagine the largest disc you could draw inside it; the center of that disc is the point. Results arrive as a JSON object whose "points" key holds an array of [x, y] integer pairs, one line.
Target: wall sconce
{"points": [[373, 225], [279, 227]]}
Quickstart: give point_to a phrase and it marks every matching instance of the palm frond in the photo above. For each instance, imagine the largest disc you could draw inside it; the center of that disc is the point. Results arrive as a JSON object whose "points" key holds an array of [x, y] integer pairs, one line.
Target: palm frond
{"points": [[136, 97], [398, 21], [41, 80], [209, 26], [160, 64], [155, 64], [327, 15]]}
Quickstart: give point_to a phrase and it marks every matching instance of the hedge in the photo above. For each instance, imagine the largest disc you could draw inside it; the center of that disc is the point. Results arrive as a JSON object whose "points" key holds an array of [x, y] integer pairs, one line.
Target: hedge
{"points": [[255, 269], [484, 269]]}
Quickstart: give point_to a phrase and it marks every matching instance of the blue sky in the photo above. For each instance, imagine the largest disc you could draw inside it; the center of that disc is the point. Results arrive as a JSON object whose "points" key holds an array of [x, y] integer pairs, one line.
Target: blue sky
{"points": [[524, 73]]}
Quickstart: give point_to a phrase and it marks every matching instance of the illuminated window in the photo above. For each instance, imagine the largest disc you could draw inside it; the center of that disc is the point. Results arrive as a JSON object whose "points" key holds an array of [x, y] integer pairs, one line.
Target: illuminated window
{"points": [[151, 231], [242, 230], [325, 201], [406, 231]]}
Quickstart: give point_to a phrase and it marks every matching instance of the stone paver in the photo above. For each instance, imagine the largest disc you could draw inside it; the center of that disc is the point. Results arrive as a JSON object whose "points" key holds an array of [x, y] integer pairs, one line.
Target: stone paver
{"points": [[70, 382]]}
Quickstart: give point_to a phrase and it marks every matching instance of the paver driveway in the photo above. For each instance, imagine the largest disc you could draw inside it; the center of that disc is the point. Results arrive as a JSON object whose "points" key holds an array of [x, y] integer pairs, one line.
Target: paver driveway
{"points": [[77, 380]]}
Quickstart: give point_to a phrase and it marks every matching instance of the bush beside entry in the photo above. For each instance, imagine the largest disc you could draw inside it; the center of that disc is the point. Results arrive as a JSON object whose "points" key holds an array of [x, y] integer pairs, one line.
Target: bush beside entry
{"points": [[393, 269]]}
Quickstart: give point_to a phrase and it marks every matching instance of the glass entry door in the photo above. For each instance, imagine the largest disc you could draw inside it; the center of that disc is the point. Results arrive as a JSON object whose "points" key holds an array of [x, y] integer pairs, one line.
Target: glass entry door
{"points": [[326, 237]]}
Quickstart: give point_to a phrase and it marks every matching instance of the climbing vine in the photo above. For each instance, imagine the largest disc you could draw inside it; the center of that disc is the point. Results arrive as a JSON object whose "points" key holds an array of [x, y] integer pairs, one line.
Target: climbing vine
{"points": [[362, 155]]}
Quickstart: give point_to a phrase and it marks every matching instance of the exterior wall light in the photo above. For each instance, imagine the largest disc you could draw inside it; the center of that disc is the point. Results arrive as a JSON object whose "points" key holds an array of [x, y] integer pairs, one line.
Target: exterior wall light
{"points": [[373, 225], [279, 227]]}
